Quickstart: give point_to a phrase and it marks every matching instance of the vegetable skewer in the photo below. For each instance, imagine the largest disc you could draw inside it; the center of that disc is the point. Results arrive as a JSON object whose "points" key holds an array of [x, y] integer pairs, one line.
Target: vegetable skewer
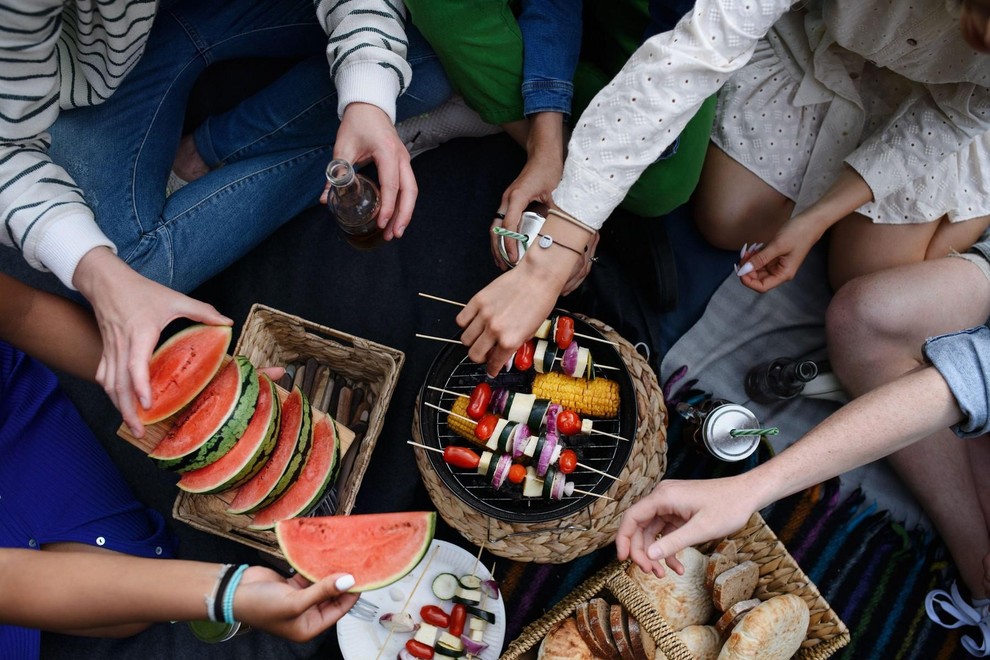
{"points": [[582, 362], [505, 439], [558, 419], [544, 328]]}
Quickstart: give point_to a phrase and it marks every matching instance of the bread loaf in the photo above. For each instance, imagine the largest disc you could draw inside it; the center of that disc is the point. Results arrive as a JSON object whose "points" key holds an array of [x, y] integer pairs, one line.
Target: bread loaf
{"points": [[682, 600], [599, 616], [618, 621], [773, 630], [644, 648], [736, 584], [582, 615], [564, 643], [733, 615]]}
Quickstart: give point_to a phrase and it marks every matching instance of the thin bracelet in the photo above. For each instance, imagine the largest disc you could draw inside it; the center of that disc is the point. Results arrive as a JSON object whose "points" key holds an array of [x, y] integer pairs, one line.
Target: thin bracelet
{"points": [[546, 240], [571, 219], [228, 595], [211, 598]]}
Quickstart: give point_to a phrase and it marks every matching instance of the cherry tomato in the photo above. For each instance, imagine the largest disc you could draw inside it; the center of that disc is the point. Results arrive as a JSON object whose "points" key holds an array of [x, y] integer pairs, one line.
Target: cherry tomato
{"points": [[434, 616], [419, 649], [563, 333], [485, 426], [568, 422], [524, 355], [567, 461], [458, 616], [461, 457], [481, 396], [517, 473]]}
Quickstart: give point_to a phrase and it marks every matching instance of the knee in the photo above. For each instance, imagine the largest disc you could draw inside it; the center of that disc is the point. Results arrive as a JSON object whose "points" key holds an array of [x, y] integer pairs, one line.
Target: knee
{"points": [[860, 319]]}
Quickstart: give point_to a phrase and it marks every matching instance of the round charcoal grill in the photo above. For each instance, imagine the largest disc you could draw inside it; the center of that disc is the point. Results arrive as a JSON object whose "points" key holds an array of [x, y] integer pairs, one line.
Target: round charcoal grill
{"points": [[452, 370]]}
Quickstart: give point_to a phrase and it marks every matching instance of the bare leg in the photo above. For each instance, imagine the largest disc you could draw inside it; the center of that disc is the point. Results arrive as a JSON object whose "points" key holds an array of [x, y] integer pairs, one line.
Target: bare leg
{"points": [[859, 246], [733, 206], [876, 327]]}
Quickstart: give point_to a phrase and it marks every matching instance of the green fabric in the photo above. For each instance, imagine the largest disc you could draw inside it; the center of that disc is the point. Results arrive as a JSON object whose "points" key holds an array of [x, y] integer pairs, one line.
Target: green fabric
{"points": [[480, 46], [481, 49]]}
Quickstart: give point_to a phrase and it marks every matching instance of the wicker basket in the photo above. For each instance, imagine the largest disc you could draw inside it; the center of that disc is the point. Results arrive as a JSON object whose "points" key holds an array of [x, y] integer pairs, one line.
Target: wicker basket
{"points": [[272, 338], [779, 574], [584, 531]]}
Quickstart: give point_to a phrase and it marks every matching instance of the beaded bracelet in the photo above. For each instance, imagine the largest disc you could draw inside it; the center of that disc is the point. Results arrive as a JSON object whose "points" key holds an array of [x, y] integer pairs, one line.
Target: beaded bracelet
{"points": [[228, 594], [211, 598]]}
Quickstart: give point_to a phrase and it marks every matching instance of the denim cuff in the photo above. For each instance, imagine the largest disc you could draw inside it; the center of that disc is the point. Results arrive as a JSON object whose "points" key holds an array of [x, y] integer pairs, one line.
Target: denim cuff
{"points": [[547, 95], [963, 359]]}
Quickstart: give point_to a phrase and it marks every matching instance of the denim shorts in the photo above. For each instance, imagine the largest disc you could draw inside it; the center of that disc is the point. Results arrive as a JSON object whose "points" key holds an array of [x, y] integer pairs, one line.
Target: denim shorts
{"points": [[963, 359], [979, 254]]}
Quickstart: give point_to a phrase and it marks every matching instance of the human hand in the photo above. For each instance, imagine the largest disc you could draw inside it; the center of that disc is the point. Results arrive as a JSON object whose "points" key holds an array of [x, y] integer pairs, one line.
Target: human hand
{"points": [[685, 513], [537, 180], [131, 312], [778, 261], [367, 134], [291, 608]]}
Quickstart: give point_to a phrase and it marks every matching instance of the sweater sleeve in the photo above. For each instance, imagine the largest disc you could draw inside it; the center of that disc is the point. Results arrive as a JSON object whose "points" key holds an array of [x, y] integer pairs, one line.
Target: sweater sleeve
{"points": [[44, 214], [366, 51], [646, 106]]}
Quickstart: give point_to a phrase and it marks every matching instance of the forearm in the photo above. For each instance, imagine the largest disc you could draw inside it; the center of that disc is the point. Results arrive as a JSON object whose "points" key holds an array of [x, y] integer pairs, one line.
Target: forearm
{"points": [[546, 135], [875, 425], [80, 590], [844, 196], [51, 328]]}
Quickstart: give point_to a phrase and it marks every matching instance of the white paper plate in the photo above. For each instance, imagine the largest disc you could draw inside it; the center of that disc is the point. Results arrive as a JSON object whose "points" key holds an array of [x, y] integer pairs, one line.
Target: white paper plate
{"points": [[362, 640]]}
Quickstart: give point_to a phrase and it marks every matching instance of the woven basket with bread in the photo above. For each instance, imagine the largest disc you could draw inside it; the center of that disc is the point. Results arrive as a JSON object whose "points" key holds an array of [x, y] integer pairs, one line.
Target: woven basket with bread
{"points": [[742, 598]]}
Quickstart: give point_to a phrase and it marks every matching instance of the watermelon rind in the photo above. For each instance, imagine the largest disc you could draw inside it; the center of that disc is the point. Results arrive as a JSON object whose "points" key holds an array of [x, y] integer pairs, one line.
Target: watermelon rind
{"points": [[210, 444], [376, 548], [172, 391], [308, 489], [295, 431], [248, 455]]}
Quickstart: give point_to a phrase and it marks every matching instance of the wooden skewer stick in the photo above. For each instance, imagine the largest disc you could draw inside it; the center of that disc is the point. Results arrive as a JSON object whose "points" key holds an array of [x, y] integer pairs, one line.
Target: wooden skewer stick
{"points": [[604, 474], [408, 598], [416, 444], [478, 558], [467, 419], [611, 435], [576, 334], [585, 492], [449, 341], [440, 389]]}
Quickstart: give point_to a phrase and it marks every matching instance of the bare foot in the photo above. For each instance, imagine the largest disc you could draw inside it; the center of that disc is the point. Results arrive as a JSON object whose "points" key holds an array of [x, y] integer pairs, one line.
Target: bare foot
{"points": [[188, 164]]}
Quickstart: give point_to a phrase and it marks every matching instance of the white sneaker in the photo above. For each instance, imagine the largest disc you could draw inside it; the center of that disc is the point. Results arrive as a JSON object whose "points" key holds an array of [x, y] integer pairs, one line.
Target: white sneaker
{"points": [[451, 119], [174, 183], [958, 612]]}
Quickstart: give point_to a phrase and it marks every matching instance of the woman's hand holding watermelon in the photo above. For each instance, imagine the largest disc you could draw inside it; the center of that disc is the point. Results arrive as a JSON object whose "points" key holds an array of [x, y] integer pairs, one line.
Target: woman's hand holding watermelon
{"points": [[131, 311], [291, 608]]}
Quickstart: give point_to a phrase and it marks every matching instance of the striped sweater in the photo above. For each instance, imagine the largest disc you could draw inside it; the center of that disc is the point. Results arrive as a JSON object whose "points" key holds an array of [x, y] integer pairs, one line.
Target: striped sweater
{"points": [[61, 54]]}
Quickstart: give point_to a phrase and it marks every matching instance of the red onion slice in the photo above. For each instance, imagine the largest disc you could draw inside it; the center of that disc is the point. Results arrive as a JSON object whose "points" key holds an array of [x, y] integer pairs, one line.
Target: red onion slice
{"points": [[501, 471], [553, 410], [569, 361], [473, 647], [543, 462]]}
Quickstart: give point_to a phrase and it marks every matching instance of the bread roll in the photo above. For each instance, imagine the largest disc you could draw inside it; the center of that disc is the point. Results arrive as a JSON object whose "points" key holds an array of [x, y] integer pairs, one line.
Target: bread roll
{"points": [[564, 643], [773, 630], [703, 642], [682, 600]]}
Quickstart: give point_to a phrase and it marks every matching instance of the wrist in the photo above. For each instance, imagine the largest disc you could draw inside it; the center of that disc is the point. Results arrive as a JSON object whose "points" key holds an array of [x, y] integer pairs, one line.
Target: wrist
{"points": [[93, 269], [546, 134]]}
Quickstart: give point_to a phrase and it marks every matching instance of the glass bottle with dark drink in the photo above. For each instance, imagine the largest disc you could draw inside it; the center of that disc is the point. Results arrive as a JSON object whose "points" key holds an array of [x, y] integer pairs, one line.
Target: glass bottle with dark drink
{"points": [[354, 201], [780, 379]]}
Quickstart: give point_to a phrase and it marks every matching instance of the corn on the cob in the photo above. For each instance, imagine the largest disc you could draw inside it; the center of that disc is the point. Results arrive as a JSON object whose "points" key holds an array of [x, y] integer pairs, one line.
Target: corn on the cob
{"points": [[596, 398], [458, 421]]}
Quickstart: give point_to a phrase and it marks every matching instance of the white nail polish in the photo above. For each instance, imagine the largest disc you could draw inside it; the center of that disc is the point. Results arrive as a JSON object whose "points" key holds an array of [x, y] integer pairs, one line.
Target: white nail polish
{"points": [[746, 269], [742, 252], [344, 582]]}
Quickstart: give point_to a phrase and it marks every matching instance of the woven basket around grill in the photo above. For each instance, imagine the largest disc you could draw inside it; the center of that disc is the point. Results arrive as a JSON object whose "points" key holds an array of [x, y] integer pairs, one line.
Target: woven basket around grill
{"points": [[273, 338], [589, 529], [779, 574]]}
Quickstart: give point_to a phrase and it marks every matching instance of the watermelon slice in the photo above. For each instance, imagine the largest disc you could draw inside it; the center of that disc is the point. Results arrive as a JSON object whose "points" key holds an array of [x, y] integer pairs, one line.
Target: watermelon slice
{"points": [[317, 476], [294, 440], [182, 367], [208, 428], [248, 456], [376, 548]]}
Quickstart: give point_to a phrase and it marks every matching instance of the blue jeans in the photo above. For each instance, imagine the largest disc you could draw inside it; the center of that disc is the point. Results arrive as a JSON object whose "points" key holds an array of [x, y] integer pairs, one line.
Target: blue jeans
{"points": [[273, 147]]}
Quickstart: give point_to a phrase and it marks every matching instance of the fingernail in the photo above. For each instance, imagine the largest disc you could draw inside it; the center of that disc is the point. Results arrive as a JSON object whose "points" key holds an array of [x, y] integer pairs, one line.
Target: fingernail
{"points": [[399, 231], [735, 267], [653, 552], [344, 582], [146, 402], [746, 269], [742, 252]]}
